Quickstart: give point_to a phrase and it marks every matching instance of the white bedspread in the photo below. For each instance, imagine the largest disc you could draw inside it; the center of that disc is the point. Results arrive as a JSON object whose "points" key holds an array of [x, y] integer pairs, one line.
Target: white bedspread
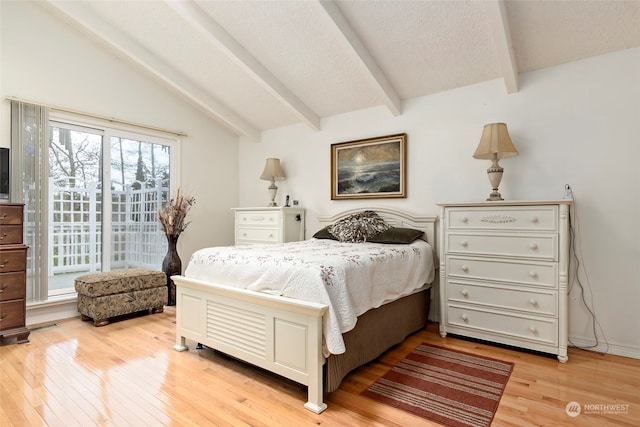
{"points": [[350, 278]]}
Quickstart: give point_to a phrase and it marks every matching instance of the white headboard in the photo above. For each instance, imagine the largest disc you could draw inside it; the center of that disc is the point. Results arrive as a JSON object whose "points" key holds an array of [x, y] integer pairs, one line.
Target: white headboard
{"points": [[395, 218]]}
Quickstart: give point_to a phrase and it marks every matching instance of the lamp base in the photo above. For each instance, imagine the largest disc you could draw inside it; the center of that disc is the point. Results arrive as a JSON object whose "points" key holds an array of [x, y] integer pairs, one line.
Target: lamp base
{"points": [[495, 176], [273, 190], [494, 196]]}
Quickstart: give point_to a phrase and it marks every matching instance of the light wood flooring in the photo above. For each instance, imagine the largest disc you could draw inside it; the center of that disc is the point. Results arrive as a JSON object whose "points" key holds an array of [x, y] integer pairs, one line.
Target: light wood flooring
{"points": [[127, 374]]}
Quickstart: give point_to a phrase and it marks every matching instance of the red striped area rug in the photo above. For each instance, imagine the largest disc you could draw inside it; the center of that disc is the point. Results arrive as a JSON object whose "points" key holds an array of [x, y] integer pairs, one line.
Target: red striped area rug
{"points": [[448, 387]]}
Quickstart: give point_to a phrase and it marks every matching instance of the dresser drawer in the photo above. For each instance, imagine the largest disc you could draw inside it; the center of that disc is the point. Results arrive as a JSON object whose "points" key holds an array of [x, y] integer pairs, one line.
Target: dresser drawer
{"points": [[524, 300], [256, 235], [10, 234], [10, 214], [12, 286], [543, 218], [12, 260], [11, 314], [541, 330], [258, 218], [541, 246], [505, 271]]}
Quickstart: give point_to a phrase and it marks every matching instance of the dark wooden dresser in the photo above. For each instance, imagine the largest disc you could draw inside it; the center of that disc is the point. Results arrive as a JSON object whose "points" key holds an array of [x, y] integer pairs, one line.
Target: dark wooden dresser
{"points": [[13, 279]]}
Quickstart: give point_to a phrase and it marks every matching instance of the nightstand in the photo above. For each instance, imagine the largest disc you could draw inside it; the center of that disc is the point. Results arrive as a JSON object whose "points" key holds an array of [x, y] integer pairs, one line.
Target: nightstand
{"points": [[268, 225], [504, 273]]}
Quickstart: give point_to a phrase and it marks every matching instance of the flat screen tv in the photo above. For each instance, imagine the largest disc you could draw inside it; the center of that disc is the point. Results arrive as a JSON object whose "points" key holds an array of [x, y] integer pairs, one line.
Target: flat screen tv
{"points": [[4, 173]]}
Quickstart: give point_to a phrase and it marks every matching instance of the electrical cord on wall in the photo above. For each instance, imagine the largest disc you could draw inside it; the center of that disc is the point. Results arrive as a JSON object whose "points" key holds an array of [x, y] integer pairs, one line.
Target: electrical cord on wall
{"points": [[576, 253]]}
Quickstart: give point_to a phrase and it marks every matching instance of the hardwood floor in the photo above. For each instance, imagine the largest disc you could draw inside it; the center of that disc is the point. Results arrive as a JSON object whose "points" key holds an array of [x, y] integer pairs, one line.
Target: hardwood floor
{"points": [[127, 373]]}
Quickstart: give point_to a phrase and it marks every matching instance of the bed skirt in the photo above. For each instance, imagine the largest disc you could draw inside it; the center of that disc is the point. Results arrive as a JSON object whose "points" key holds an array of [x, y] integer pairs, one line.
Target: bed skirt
{"points": [[377, 331]]}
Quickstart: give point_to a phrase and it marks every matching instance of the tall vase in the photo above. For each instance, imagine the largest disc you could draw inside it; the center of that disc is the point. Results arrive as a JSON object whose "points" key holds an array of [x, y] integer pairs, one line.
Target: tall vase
{"points": [[171, 265]]}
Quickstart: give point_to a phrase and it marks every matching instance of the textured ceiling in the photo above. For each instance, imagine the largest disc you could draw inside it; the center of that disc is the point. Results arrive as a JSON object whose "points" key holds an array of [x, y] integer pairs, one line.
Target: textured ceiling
{"points": [[257, 65]]}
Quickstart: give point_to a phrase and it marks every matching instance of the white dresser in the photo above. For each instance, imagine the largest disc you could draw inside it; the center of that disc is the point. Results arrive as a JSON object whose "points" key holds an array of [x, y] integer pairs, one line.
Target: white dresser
{"points": [[504, 273], [268, 225]]}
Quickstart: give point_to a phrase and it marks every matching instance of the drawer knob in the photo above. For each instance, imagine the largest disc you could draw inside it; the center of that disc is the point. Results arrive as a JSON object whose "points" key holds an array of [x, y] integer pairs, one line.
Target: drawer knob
{"points": [[533, 246], [533, 274], [464, 219], [464, 268], [464, 293], [464, 243], [465, 318], [533, 330], [271, 235], [533, 302], [3, 236], [534, 219], [2, 316], [3, 287], [4, 263], [3, 216]]}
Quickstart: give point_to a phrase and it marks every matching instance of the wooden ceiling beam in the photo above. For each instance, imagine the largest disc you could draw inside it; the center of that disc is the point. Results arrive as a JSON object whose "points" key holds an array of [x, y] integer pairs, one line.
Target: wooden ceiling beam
{"points": [[499, 24], [218, 36], [367, 63]]}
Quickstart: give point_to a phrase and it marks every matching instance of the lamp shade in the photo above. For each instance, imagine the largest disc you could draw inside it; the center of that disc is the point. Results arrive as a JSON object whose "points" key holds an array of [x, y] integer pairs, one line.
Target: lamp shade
{"points": [[273, 171], [495, 143]]}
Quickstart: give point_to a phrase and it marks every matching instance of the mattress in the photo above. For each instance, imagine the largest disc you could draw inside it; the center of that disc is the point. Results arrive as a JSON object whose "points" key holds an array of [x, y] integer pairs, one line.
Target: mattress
{"points": [[351, 278]]}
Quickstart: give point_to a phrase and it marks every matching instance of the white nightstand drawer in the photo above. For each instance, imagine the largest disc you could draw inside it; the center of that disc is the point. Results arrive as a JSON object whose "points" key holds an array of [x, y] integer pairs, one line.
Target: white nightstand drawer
{"points": [[542, 246], [268, 225], [258, 218], [506, 271], [542, 218], [524, 300], [256, 235], [542, 330]]}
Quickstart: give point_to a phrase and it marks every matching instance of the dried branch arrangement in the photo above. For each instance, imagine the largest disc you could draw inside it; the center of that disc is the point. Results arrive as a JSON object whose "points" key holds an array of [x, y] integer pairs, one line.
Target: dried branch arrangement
{"points": [[173, 215]]}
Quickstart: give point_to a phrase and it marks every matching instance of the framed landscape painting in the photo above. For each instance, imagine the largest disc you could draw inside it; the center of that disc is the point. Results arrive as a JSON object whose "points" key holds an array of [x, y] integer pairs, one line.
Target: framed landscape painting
{"points": [[369, 168]]}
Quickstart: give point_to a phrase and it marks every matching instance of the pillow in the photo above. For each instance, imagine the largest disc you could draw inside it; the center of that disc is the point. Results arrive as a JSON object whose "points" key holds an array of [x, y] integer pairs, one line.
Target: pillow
{"points": [[358, 227], [397, 235], [324, 234]]}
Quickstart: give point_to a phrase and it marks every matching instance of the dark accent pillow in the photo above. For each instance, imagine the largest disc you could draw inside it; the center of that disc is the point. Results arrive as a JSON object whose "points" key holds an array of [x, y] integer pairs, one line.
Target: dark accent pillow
{"points": [[397, 235], [358, 227], [324, 234]]}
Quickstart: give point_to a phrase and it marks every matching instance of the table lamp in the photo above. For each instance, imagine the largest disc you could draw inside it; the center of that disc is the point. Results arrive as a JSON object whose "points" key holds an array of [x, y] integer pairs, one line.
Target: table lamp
{"points": [[273, 172], [495, 144]]}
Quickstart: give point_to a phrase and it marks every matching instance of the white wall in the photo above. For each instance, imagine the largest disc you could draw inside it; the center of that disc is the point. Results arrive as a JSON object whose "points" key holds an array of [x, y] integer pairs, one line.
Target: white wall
{"points": [[578, 123], [46, 61]]}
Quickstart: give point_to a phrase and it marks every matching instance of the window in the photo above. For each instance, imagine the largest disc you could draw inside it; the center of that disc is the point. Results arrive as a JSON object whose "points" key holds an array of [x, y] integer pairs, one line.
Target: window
{"points": [[94, 205]]}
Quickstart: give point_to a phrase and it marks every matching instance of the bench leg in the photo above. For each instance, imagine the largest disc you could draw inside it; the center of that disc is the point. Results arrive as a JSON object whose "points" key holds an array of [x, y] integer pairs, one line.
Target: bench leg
{"points": [[155, 310], [84, 317], [100, 322]]}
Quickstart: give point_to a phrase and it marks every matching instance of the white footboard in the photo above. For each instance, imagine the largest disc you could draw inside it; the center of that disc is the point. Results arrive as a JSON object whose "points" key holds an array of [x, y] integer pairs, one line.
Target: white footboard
{"points": [[279, 334]]}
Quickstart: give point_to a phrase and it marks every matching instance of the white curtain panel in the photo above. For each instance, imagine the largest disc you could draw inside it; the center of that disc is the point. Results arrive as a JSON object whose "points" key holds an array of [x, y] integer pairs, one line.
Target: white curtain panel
{"points": [[29, 165]]}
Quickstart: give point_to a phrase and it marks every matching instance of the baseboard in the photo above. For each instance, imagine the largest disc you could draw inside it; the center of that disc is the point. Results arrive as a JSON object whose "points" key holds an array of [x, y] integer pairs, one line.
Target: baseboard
{"points": [[51, 311], [607, 348]]}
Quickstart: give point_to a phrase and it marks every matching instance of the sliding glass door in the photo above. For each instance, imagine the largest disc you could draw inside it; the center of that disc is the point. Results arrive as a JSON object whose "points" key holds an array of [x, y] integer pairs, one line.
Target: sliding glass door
{"points": [[105, 188]]}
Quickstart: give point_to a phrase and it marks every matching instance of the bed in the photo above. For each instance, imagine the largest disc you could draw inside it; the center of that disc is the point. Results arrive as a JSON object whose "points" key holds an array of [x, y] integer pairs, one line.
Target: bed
{"points": [[294, 337]]}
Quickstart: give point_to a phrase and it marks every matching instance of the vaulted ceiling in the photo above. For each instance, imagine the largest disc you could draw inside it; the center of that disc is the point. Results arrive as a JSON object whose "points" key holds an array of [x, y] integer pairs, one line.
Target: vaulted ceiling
{"points": [[255, 65]]}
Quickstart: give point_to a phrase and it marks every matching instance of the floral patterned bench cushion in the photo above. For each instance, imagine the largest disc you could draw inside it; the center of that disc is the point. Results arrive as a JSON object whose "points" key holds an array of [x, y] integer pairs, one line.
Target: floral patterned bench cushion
{"points": [[119, 281]]}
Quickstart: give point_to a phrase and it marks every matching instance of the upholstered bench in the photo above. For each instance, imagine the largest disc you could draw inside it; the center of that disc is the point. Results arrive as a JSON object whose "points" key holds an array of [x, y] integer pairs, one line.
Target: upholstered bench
{"points": [[102, 296]]}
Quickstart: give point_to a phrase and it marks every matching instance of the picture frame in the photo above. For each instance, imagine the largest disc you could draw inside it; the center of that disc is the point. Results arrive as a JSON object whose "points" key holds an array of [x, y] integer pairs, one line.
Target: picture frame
{"points": [[372, 168]]}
